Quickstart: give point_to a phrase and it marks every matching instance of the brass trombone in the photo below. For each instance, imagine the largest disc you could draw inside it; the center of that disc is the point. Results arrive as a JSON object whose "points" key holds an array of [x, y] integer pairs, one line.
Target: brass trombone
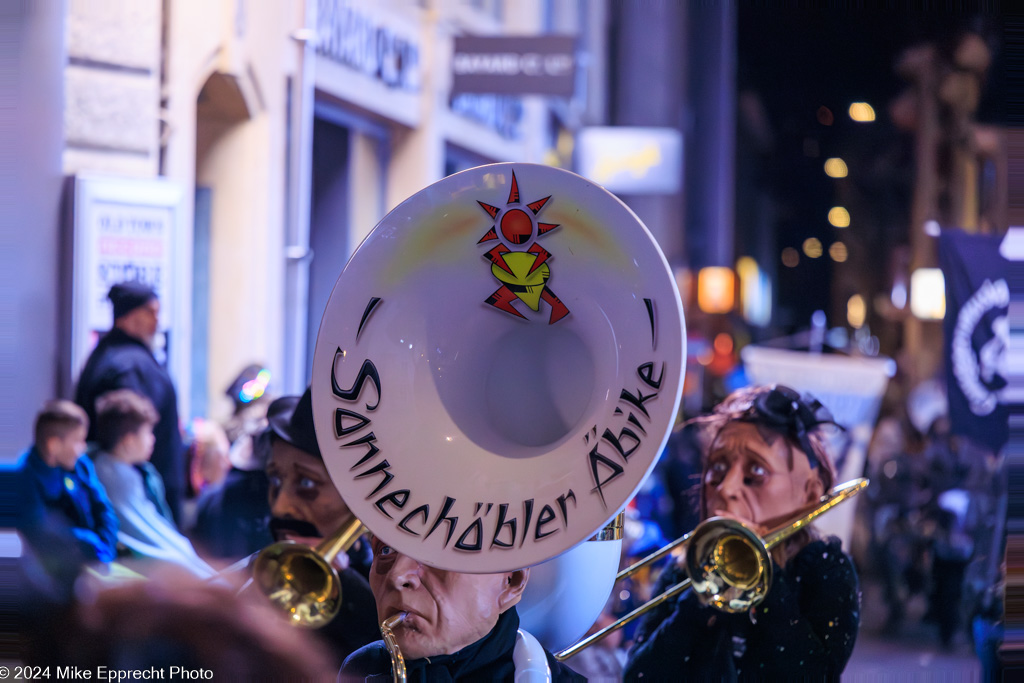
{"points": [[728, 565], [302, 581]]}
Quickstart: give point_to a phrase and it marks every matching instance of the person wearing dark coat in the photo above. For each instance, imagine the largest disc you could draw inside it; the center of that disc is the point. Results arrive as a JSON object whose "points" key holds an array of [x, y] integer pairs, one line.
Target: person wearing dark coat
{"points": [[455, 626], [305, 507], [124, 359], [232, 517], [763, 461]]}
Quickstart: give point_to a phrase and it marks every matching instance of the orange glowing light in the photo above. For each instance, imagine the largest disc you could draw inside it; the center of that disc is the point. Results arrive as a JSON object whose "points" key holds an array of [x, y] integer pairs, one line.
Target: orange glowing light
{"points": [[838, 252], [862, 112], [723, 343], [716, 289], [812, 247], [856, 311]]}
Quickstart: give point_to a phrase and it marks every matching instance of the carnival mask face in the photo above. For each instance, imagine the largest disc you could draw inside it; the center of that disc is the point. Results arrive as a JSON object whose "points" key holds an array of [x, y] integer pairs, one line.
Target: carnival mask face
{"points": [[445, 611], [754, 473], [304, 505]]}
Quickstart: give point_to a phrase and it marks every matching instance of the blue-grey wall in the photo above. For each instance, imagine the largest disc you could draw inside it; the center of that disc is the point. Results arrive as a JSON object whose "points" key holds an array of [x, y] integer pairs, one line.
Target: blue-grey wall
{"points": [[32, 56]]}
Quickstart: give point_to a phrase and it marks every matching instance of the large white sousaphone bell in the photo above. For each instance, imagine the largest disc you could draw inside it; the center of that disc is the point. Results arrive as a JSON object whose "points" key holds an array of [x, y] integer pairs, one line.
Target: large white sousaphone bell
{"points": [[497, 370]]}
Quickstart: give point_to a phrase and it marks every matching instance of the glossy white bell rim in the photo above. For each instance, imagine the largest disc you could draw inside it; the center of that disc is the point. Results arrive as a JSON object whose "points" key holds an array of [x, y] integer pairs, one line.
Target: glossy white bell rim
{"points": [[498, 368]]}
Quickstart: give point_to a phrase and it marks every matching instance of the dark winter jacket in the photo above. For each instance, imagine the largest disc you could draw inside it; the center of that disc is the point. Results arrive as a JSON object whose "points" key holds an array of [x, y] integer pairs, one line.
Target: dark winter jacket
{"points": [[121, 361], [804, 630], [488, 659], [65, 516], [232, 516], [356, 622]]}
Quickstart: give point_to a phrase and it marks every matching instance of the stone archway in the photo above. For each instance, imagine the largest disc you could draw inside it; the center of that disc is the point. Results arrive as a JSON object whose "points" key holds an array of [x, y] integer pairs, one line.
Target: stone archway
{"points": [[223, 179]]}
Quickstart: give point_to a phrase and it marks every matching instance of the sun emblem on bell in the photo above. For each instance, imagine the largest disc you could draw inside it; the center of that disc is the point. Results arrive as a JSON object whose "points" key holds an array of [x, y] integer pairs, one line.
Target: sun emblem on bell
{"points": [[517, 261]]}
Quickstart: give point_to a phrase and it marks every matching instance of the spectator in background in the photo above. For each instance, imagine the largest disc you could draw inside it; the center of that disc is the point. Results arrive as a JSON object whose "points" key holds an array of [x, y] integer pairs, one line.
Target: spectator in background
{"points": [[124, 359], [207, 456], [680, 467], [60, 507], [231, 518], [250, 399], [124, 432]]}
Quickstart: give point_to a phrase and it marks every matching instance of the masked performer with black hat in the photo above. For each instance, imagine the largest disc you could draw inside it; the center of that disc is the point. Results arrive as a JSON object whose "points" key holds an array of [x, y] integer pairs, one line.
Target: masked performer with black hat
{"points": [[305, 507], [124, 359], [764, 460]]}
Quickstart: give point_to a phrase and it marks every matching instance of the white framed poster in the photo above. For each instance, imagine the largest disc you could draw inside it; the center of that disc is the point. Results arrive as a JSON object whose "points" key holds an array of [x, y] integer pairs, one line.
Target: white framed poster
{"points": [[124, 229]]}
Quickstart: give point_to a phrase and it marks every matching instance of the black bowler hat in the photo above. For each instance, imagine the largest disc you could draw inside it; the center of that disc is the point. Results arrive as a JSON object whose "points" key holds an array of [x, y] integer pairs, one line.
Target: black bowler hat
{"points": [[127, 296], [291, 420]]}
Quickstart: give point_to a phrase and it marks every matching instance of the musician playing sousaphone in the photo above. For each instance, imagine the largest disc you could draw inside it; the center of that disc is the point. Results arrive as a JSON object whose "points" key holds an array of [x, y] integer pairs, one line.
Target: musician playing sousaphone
{"points": [[454, 626], [764, 460], [496, 371]]}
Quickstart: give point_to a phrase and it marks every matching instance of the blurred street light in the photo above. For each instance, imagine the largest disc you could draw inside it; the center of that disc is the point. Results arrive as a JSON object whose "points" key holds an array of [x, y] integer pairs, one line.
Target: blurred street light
{"points": [[790, 257], [812, 247], [838, 252], [862, 112], [755, 291], [856, 311], [723, 343], [835, 168], [839, 217], [928, 294], [716, 289]]}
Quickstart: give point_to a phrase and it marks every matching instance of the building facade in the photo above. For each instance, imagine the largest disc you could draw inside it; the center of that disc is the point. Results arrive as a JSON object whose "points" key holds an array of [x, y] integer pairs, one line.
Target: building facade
{"points": [[288, 130]]}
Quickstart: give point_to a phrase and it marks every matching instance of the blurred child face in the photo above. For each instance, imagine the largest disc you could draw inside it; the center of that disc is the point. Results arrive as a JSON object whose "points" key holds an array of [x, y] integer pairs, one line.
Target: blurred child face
{"points": [[64, 452], [138, 445]]}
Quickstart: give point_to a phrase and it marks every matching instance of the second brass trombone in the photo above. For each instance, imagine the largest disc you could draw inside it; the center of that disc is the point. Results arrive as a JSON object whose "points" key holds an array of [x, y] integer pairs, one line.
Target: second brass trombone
{"points": [[728, 565], [302, 581]]}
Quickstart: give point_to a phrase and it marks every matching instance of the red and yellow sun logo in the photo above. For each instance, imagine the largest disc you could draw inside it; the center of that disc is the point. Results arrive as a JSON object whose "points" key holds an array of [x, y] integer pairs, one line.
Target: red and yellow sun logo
{"points": [[518, 262]]}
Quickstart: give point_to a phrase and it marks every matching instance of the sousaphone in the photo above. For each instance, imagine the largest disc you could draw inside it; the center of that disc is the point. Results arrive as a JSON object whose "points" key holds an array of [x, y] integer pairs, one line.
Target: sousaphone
{"points": [[498, 368]]}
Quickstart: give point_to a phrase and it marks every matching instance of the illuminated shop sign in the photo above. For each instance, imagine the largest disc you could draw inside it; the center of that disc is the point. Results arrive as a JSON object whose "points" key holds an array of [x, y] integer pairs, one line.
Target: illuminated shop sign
{"points": [[366, 44], [514, 65], [632, 160]]}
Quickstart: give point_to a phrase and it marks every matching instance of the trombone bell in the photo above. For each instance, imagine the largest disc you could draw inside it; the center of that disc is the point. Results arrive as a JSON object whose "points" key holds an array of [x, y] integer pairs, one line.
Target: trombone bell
{"points": [[729, 564], [299, 582]]}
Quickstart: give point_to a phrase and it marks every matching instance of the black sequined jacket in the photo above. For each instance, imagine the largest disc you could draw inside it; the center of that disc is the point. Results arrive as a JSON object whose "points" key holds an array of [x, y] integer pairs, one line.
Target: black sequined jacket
{"points": [[804, 630]]}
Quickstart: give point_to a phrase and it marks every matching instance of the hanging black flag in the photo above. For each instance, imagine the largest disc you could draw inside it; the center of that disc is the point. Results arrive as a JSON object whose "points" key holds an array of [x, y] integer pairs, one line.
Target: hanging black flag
{"points": [[977, 335]]}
